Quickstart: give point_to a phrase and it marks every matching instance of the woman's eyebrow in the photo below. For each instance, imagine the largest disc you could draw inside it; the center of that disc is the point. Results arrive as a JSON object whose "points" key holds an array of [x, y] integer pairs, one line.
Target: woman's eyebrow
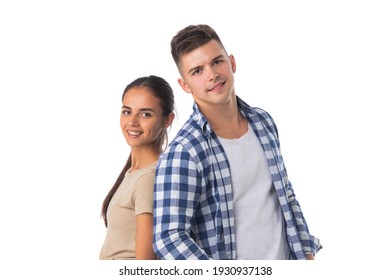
{"points": [[142, 109]]}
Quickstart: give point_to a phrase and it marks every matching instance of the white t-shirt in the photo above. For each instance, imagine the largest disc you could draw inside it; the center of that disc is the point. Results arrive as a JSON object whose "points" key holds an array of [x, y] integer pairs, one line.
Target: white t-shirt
{"points": [[260, 233]]}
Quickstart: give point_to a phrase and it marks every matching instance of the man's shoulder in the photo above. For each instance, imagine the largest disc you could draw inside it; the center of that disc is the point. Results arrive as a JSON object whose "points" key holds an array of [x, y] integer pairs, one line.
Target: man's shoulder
{"points": [[189, 145], [254, 111], [261, 111], [189, 135], [262, 115], [258, 116]]}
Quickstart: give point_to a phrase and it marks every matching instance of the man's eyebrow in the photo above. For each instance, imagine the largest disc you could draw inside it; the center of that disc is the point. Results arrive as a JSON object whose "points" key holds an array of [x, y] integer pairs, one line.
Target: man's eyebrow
{"points": [[218, 57], [193, 68], [197, 67]]}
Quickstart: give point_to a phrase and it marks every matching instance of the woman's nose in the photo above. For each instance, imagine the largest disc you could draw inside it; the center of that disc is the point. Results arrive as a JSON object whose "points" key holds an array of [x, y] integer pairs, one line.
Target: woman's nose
{"points": [[133, 120]]}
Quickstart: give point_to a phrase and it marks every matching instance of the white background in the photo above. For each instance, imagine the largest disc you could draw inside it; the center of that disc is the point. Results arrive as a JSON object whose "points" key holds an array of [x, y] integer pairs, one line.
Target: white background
{"points": [[321, 68]]}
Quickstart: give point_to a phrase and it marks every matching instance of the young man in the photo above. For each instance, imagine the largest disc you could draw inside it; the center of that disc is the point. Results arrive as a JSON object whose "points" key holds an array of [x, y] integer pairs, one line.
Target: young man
{"points": [[221, 188]]}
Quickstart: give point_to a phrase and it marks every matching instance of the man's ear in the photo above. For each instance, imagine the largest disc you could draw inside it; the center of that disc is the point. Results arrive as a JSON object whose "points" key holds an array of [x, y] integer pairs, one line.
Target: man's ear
{"points": [[233, 63], [184, 85]]}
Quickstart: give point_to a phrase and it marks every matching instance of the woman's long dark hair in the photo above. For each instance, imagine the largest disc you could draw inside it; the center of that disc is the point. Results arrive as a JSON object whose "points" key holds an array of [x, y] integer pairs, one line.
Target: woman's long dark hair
{"points": [[163, 91]]}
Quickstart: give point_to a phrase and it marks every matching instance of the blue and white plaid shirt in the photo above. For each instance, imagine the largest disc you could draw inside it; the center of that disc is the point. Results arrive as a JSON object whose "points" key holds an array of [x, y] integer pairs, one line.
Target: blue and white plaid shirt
{"points": [[193, 204]]}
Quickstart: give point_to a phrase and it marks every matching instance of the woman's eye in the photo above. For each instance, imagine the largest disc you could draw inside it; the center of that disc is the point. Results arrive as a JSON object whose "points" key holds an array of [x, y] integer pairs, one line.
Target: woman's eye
{"points": [[146, 115]]}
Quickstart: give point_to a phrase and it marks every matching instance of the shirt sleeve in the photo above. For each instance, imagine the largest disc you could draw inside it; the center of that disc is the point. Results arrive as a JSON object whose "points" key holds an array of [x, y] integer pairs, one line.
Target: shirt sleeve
{"points": [[311, 244], [143, 195], [176, 198]]}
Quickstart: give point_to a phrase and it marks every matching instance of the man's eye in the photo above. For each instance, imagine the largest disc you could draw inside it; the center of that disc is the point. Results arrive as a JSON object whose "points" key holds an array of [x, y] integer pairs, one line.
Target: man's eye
{"points": [[126, 112], [196, 72]]}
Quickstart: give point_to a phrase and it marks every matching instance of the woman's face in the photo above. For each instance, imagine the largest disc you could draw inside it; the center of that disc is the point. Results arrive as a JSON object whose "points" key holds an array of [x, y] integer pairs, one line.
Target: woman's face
{"points": [[141, 118]]}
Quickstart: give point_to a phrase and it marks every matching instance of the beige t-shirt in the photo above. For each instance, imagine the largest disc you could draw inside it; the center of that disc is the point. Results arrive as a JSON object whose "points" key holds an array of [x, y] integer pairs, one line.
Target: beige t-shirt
{"points": [[133, 197]]}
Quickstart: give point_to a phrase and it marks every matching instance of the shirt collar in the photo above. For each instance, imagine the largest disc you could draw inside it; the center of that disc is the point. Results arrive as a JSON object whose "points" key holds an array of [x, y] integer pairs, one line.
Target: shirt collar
{"points": [[202, 122]]}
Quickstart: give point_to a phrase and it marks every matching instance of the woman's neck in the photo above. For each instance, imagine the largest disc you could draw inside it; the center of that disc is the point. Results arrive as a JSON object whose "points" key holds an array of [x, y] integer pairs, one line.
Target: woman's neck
{"points": [[141, 158]]}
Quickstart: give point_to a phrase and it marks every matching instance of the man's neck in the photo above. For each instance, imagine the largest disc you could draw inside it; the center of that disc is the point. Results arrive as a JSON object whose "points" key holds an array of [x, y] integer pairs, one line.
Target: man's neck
{"points": [[226, 120]]}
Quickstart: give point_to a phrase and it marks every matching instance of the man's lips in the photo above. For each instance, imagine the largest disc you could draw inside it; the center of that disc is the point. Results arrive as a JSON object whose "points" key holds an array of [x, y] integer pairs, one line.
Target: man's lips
{"points": [[218, 86]]}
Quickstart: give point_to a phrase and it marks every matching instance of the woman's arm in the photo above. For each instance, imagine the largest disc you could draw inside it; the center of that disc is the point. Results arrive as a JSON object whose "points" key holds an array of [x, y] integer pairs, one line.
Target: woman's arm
{"points": [[144, 237]]}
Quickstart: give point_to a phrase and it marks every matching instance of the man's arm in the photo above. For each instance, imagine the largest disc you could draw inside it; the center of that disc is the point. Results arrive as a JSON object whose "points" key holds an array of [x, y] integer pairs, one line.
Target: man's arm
{"points": [[176, 197], [311, 244]]}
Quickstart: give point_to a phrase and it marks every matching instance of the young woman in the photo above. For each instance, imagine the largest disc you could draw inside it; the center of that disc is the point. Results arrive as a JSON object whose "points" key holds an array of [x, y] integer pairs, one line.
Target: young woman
{"points": [[147, 112]]}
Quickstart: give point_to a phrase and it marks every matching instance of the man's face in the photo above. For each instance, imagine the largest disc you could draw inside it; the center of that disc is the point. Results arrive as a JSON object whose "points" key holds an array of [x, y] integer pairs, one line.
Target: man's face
{"points": [[208, 73]]}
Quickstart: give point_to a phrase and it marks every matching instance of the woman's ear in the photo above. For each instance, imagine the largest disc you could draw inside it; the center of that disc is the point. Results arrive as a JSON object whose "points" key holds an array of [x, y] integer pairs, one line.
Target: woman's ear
{"points": [[169, 120]]}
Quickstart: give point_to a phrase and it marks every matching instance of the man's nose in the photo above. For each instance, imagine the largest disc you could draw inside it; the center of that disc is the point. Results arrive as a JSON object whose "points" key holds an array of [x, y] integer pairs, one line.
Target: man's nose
{"points": [[212, 73]]}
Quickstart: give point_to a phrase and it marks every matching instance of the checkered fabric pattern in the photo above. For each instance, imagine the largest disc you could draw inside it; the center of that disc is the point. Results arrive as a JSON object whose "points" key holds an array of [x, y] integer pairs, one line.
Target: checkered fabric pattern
{"points": [[193, 204]]}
